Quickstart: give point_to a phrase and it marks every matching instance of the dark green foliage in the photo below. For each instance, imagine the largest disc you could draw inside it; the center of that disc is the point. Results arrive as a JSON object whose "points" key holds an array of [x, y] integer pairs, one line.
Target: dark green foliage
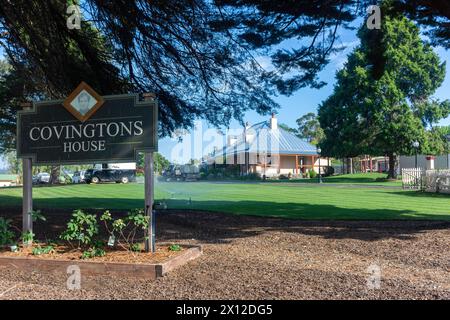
{"points": [[124, 231], [160, 162], [312, 173], [309, 128], [93, 252], [433, 15], [328, 171], [198, 57], [381, 112], [16, 87], [42, 250], [82, 228], [175, 247], [135, 247], [37, 215], [6, 234], [27, 237]]}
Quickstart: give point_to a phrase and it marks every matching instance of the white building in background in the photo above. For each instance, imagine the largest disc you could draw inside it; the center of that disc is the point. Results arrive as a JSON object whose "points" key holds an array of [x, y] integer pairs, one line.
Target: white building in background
{"points": [[269, 150], [8, 180]]}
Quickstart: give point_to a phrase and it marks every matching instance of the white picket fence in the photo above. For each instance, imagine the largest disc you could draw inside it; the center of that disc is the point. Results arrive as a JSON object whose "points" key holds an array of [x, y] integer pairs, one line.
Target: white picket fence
{"points": [[427, 180], [412, 178]]}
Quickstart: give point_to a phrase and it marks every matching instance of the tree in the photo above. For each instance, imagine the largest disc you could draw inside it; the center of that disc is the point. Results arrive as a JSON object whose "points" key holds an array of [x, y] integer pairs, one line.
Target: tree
{"points": [[381, 102], [159, 161], [199, 57], [434, 16], [285, 127], [15, 88], [13, 164], [445, 130], [190, 53], [309, 128]]}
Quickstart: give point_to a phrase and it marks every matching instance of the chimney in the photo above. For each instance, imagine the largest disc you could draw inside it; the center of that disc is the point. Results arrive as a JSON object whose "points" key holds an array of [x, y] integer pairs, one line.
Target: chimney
{"points": [[273, 122]]}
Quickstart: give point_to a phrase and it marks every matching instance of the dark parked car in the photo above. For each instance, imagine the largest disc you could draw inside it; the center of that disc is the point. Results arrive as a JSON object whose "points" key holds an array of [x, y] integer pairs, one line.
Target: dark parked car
{"points": [[109, 175], [41, 178]]}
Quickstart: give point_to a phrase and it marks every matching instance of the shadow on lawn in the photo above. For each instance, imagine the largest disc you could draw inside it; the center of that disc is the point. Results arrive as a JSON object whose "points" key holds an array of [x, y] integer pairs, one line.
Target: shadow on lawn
{"points": [[213, 227], [421, 194], [223, 228], [341, 179]]}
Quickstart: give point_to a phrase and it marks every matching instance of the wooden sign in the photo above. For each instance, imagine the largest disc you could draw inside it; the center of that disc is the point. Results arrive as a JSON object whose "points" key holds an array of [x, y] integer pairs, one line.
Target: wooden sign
{"points": [[87, 128]]}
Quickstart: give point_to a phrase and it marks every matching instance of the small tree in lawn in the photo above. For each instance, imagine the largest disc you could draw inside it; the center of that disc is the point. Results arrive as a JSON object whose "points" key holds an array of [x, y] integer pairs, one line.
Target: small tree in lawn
{"points": [[381, 102]]}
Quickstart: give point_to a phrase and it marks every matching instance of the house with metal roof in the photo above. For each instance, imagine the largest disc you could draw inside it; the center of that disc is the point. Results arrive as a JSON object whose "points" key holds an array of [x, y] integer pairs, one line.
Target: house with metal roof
{"points": [[269, 150]]}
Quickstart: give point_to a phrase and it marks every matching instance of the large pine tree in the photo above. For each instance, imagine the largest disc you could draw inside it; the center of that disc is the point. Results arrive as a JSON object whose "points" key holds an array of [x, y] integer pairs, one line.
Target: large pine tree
{"points": [[382, 100], [199, 57]]}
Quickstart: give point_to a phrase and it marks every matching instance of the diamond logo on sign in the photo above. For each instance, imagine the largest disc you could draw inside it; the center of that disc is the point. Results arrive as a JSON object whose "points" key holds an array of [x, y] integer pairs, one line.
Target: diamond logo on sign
{"points": [[112, 128], [83, 102]]}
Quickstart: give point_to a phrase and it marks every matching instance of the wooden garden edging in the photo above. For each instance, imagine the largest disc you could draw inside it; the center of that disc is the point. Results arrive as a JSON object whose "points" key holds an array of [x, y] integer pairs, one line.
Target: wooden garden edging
{"points": [[93, 268]]}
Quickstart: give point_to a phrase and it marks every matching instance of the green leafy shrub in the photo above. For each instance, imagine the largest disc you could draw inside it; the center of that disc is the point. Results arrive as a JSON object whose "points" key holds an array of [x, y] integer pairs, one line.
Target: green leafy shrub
{"points": [[126, 229], [42, 250], [81, 228], [37, 215], [175, 247], [135, 247], [93, 252], [312, 173], [328, 171], [6, 235], [251, 176], [27, 237]]}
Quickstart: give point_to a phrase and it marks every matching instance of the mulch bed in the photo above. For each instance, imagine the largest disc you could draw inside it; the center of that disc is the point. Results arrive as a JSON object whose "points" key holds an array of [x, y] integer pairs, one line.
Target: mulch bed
{"points": [[264, 258], [55, 224], [64, 252]]}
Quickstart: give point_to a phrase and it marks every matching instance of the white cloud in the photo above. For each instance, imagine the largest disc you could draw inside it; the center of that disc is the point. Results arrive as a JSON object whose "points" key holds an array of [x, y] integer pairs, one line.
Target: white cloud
{"points": [[338, 59], [265, 63]]}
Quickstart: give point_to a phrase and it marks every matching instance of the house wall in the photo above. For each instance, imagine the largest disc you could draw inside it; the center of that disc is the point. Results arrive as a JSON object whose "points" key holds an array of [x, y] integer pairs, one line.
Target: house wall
{"points": [[277, 164], [287, 165], [5, 184], [323, 163]]}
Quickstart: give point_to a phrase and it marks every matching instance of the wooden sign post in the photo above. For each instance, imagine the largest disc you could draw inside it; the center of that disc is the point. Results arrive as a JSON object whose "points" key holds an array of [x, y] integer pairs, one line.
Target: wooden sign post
{"points": [[27, 191], [149, 189], [88, 128], [149, 192]]}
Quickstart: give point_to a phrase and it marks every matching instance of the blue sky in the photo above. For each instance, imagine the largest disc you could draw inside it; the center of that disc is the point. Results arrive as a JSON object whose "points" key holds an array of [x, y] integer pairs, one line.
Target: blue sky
{"points": [[305, 100]]}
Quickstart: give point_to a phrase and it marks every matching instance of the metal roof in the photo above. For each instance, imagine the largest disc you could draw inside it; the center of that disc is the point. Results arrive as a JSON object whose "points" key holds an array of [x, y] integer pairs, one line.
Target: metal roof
{"points": [[266, 140]]}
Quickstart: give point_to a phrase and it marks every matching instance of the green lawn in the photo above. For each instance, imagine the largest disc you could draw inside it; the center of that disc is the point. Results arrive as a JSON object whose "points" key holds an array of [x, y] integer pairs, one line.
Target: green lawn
{"points": [[377, 179], [305, 201]]}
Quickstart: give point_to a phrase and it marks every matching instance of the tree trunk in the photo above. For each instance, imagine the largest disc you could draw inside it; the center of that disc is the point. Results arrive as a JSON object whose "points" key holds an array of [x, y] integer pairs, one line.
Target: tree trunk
{"points": [[54, 175], [349, 165], [392, 173]]}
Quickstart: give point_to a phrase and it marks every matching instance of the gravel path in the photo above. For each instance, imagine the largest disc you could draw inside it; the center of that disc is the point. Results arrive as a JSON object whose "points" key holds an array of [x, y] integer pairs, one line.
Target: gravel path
{"points": [[260, 258]]}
